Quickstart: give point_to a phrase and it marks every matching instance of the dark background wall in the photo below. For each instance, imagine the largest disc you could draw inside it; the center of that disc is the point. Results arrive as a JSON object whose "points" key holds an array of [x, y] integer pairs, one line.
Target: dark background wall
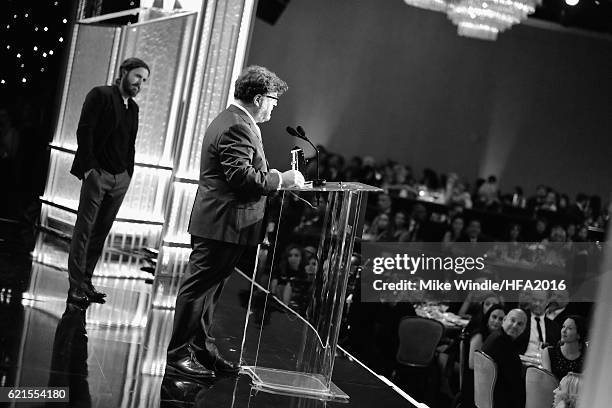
{"points": [[381, 78]]}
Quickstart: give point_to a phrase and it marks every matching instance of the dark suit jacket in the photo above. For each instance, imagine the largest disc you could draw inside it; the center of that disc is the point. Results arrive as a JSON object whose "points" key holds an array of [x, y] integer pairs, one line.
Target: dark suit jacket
{"points": [[510, 387], [99, 117], [234, 179], [553, 334]]}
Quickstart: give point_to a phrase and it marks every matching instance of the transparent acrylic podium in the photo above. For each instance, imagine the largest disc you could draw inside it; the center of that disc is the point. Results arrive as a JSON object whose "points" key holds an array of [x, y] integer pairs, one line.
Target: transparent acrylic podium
{"points": [[294, 316]]}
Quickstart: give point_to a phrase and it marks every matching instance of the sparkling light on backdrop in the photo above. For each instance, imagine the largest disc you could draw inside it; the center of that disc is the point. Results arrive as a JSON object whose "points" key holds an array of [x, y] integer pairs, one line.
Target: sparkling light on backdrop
{"points": [[32, 38]]}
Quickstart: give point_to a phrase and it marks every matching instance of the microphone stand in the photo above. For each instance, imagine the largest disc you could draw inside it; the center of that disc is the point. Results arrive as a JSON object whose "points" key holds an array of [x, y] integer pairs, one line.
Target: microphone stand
{"points": [[318, 182]]}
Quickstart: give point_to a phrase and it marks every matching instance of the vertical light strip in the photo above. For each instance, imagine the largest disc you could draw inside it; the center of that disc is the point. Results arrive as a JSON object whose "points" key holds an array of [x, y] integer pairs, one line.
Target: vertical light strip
{"points": [[118, 39], [201, 50], [69, 64], [244, 36]]}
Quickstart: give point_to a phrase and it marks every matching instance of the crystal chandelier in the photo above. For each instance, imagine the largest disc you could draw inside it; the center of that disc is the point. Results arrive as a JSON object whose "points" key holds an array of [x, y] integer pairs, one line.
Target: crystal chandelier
{"points": [[484, 19], [433, 5]]}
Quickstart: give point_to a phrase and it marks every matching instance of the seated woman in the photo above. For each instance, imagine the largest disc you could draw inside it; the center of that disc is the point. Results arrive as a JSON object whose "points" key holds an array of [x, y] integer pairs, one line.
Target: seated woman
{"points": [[566, 394], [453, 233], [492, 320], [399, 229], [289, 269], [477, 304], [568, 355], [379, 230]]}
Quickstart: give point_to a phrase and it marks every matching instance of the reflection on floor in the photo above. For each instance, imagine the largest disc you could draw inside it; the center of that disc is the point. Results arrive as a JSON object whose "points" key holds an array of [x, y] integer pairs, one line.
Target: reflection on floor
{"points": [[113, 355]]}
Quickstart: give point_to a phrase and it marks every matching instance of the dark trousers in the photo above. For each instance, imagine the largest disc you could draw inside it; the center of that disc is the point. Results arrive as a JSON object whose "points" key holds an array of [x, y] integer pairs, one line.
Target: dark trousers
{"points": [[210, 264], [101, 196]]}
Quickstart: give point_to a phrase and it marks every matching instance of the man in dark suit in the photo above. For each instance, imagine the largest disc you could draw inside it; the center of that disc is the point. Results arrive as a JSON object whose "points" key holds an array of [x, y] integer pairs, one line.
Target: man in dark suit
{"points": [[226, 218], [577, 211], [540, 331], [104, 160], [501, 347]]}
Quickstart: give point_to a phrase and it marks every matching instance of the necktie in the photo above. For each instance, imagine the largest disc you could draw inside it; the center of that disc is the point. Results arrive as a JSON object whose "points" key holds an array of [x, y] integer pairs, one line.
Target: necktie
{"points": [[539, 327]]}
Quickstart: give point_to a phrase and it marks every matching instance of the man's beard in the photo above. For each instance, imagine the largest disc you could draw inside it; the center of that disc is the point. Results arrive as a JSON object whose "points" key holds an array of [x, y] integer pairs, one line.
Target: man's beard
{"points": [[128, 88]]}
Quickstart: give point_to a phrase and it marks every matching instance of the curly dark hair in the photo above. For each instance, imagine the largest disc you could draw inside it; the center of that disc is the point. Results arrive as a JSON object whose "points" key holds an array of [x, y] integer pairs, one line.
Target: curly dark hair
{"points": [[256, 80]]}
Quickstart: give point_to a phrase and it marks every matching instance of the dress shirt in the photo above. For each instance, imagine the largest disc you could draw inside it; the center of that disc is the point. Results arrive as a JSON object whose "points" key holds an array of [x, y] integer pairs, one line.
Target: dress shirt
{"points": [[534, 346]]}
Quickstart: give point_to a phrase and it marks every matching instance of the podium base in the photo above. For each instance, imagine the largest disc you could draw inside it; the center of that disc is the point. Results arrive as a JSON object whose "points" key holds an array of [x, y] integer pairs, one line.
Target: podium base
{"points": [[293, 383]]}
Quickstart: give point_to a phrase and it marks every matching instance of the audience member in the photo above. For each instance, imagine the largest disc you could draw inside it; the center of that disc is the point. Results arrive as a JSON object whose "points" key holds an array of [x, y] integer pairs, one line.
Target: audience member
{"points": [[476, 305], [568, 355], [399, 228], [563, 204], [540, 230], [577, 210], [418, 225], [488, 193], [550, 202], [384, 204], [540, 331], [567, 393], [536, 201], [456, 192], [557, 308], [454, 233], [473, 233], [380, 229], [491, 322], [500, 346], [290, 268], [518, 199]]}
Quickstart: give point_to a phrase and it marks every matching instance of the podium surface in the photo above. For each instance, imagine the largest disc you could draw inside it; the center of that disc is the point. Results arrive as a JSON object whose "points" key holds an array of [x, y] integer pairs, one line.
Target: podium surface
{"points": [[305, 265]]}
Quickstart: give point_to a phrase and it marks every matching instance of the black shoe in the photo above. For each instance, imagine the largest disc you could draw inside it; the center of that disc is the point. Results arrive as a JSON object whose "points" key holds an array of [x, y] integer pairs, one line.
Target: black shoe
{"points": [[181, 389], [223, 366], [190, 367], [77, 296], [94, 295]]}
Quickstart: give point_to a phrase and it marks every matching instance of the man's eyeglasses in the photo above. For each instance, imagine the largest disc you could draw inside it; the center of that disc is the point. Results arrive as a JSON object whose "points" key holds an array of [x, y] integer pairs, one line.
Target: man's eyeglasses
{"points": [[271, 97]]}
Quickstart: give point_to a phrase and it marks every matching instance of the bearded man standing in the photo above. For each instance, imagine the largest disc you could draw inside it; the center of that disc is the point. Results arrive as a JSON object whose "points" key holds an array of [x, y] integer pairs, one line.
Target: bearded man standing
{"points": [[104, 161]]}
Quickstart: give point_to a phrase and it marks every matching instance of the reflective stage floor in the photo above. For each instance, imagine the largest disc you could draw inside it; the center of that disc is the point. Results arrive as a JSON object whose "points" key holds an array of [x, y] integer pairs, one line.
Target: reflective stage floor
{"points": [[113, 355]]}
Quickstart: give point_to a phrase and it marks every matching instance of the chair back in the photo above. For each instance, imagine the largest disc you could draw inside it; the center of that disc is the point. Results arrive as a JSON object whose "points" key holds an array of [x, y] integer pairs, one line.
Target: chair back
{"points": [[539, 386], [418, 339], [485, 377]]}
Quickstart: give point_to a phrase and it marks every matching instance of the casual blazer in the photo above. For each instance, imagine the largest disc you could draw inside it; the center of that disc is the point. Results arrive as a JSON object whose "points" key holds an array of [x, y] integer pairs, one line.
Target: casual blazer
{"points": [[553, 333], [99, 118], [234, 180]]}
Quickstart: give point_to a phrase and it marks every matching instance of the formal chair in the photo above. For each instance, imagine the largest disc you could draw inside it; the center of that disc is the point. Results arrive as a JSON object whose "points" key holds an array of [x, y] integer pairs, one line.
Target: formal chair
{"points": [[418, 338], [464, 351], [539, 386], [485, 376]]}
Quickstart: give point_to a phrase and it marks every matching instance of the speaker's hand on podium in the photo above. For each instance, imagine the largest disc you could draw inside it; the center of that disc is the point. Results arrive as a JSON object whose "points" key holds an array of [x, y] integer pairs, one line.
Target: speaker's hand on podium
{"points": [[292, 178]]}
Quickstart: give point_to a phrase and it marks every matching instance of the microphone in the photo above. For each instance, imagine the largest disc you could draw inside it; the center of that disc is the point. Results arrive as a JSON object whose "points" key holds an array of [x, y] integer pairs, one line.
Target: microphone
{"points": [[293, 132], [301, 134], [300, 130]]}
